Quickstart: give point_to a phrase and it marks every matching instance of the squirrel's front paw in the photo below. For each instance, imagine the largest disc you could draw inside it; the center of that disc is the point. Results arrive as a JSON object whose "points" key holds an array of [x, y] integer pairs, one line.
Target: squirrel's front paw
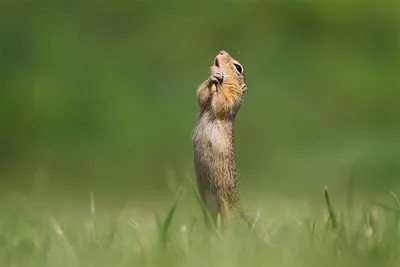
{"points": [[216, 76]]}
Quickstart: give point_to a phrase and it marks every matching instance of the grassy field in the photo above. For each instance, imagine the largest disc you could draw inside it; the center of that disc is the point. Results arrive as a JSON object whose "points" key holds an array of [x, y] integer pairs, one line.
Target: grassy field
{"points": [[102, 97], [37, 231]]}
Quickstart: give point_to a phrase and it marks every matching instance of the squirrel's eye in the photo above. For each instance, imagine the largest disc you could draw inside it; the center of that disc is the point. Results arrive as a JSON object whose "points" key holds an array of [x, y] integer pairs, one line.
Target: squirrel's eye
{"points": [[238, 68]]}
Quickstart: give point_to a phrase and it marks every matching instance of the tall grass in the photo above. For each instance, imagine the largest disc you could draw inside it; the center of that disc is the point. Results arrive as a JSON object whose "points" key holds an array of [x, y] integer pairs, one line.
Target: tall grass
{"points": [[181, 236]]}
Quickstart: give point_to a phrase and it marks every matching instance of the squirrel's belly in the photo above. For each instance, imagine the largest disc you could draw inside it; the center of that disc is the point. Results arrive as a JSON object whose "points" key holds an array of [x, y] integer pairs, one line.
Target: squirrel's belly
{"points": [[212, 138], [213, 159], [211, 156]]}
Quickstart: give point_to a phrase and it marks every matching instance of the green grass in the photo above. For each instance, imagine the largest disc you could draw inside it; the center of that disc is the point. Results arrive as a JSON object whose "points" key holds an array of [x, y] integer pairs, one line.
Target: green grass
{"points": [[173, 233]]}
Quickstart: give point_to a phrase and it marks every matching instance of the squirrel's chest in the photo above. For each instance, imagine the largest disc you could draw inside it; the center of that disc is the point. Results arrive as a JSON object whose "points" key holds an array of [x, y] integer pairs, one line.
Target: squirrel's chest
{"points": [[212, 138]]}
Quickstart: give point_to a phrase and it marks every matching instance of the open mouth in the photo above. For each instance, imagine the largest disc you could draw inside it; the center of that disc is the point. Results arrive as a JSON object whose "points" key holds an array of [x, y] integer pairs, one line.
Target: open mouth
{"points": [[216, 62]]}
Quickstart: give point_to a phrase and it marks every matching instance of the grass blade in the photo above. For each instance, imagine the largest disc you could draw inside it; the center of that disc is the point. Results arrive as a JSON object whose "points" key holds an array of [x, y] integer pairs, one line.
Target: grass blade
{"points": [[93, 215], [209, 221], [65, 244], [332, 214], [395, 198], [167, 223]]}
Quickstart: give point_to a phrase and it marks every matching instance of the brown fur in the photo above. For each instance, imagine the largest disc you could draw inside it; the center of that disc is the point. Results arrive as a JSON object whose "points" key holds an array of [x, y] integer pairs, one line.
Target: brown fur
{"points": [[219, 99]]}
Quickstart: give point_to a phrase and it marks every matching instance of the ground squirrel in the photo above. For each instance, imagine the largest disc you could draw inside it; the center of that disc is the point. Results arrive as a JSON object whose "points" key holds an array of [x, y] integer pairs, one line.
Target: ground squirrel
{"points": [[219, 99]]}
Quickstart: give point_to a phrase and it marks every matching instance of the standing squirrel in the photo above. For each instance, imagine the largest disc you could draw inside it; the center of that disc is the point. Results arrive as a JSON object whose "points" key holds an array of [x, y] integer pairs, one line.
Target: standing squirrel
{"points": [[219, 99]]}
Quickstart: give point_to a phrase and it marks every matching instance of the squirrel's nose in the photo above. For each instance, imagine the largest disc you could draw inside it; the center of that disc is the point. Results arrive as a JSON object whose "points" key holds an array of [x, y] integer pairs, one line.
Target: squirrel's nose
{"points": [[222, 52]]}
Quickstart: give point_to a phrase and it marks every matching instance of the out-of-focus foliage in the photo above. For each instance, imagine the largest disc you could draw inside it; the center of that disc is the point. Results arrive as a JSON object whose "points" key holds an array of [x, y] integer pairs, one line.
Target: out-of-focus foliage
{"points": [[102, 95]]}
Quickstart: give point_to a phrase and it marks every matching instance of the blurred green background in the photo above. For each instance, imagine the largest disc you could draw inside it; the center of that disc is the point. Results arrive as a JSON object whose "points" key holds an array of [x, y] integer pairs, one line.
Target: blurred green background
{"points": [[102, 96]]}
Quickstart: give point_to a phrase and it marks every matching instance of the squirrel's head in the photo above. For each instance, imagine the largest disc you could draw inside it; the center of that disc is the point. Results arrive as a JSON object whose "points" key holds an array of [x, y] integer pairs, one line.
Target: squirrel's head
{"points": [[232, 70]]}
